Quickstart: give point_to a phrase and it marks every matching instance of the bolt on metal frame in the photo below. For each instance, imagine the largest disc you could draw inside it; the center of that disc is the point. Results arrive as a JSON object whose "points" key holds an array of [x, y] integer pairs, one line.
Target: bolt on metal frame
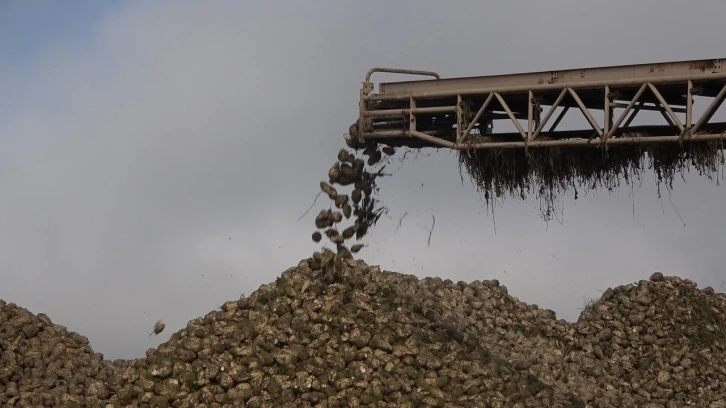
{"points": [[447, 112]]}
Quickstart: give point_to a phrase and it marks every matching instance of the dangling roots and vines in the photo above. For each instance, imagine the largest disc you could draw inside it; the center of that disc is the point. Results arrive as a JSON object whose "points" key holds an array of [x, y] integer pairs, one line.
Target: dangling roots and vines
{"points": [[550, 173]]}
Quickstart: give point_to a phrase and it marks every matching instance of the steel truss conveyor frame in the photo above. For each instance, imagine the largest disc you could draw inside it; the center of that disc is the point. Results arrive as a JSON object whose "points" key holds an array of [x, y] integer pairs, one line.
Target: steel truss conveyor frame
{"points": [[458, 113]]}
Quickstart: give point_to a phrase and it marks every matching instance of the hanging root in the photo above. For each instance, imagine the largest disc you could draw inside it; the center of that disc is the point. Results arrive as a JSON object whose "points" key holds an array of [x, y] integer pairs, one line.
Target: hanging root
{"points": [[549, 173]]}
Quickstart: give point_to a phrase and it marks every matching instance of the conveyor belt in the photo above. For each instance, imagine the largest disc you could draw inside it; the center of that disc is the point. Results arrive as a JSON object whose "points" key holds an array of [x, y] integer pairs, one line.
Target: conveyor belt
{"points": [[460, 113]]}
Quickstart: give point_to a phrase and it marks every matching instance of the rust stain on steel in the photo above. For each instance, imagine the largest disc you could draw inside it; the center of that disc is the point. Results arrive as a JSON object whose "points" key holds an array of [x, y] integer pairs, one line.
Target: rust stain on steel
{"points": [[702, 66]]}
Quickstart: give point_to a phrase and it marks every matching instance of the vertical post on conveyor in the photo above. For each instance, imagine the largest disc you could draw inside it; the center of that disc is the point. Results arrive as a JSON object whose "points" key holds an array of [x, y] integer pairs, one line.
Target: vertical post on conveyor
{"points": [[459, 117], [412, 117], [608, 112], [689, 109], [362, 108], [530, 117]]}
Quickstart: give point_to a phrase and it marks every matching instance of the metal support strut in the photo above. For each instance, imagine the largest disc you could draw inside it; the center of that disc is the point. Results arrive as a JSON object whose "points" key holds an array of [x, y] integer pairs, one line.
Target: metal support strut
{"points": [[459, 113]]}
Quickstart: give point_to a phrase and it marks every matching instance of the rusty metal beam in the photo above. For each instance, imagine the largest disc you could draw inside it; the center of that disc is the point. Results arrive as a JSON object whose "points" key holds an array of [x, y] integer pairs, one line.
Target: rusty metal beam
{"points": [[476, 118], [642, 106], [717, 101], [689, 108], [634, 140], [549, 114], [406, 112], [627, 109], [574, 78], [398, 136], [439, 112], [511, 115], [549, 87], [401, 71], [585, 112], [665, 106]]}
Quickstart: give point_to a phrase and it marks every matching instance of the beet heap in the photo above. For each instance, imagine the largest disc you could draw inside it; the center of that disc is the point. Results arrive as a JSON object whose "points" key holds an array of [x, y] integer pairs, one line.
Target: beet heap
{"points": [[373, 338]]}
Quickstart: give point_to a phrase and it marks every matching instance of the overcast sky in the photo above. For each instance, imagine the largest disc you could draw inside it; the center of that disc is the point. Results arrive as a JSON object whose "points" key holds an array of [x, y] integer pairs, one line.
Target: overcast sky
{"points": [[155, 156]]}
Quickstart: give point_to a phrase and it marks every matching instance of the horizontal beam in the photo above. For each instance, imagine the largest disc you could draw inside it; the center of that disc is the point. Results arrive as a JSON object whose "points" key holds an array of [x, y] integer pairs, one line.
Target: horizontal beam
{"points": [[415, 111], [433, 141], [656, 73], [387, 136], [433, 92]]}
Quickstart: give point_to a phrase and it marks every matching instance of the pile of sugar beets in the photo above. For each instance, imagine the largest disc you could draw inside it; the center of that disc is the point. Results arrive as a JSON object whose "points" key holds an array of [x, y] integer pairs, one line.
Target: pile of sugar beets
{"points": [[360, 203]]}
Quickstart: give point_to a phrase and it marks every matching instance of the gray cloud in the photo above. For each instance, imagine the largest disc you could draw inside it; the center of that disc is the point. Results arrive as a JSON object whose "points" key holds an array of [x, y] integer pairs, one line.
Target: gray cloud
{"points": [[162, 169]]}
